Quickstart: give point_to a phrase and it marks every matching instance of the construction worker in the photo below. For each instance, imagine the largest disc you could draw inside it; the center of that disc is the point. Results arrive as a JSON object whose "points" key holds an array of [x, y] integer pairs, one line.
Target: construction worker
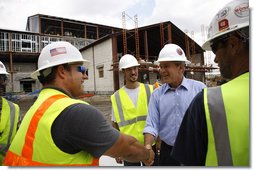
{"points": [[129, 103], [61, 130], [169, 102], [156, 84], [9, 117], [216, 128]]}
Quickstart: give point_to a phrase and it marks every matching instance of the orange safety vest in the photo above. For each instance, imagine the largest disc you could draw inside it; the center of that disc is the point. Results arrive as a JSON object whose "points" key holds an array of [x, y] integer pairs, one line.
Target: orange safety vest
{"points": [[33, 144]]}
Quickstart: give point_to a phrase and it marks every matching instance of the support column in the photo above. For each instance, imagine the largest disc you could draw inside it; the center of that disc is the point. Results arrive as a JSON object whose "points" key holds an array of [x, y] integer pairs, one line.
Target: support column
{"points": [[115, 63], [169, 33], [146, 46]]}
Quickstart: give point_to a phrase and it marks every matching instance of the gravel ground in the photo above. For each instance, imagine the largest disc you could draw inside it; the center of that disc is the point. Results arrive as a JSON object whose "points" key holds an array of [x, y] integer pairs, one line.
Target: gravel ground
{"points": [[101, 102]]}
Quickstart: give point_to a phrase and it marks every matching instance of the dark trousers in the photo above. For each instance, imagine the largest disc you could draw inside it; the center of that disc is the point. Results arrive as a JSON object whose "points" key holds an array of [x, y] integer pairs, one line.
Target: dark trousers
{"points": [[142, 164], [165, 156]]}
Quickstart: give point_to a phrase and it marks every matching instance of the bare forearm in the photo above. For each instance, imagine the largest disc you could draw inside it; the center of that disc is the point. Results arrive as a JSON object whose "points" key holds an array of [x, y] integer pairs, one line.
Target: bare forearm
{"points": [[128, 148], [136, 152], [149, 139]]}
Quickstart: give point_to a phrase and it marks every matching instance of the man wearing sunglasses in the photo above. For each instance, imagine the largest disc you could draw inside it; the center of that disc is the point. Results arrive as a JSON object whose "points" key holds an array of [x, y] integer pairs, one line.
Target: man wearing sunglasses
{"points": [[216, 128], [60, 130], [9, 117]]}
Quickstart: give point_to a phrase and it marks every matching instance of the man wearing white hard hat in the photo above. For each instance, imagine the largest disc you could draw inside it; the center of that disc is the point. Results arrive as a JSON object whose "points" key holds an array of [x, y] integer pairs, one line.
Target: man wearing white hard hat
{"points": [[9, 117], [216, 128], [130, 103], [169, 102], [60, 130]]}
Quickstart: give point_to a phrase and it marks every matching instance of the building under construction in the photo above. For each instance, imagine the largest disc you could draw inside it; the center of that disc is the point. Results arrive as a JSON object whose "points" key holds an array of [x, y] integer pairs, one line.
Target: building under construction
{"points": [[101, 45]]}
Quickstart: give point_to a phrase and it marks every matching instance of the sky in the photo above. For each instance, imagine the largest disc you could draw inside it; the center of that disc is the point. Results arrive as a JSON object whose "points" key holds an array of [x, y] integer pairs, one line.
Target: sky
{"points": [[187, 15]]}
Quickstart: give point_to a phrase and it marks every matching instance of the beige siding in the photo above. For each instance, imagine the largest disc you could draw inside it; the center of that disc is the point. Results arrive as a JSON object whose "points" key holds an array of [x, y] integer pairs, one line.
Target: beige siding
{"points": [[99, 55]]}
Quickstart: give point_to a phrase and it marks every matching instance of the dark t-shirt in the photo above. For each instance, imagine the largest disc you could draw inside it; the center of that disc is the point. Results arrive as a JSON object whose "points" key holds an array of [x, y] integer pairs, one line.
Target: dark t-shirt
{"points": [[83, 127], [191, 143]]}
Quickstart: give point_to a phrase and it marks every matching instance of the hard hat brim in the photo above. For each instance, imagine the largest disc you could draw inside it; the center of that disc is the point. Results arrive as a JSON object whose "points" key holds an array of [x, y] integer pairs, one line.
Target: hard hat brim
{"points": [[207, 44], [36, 73], [173, 60], [4, 72], [129, 66]]}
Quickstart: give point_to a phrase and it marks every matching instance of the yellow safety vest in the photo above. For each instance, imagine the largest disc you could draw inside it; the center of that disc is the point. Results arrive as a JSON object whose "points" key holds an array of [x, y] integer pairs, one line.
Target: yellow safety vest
{"points": [[131, 120], [9, 118], [228, 124], [33, 144]]}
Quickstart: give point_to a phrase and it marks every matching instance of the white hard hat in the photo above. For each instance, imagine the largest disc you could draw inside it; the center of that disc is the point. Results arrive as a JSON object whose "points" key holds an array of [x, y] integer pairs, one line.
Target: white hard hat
{"points": [[234, 16], [3, 69], [127, 61], [57, 53], [172, 52]]}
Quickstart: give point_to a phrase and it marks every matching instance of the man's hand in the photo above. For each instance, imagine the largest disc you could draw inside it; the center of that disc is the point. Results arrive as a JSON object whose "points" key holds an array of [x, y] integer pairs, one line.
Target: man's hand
{"points": [[119, 160], [150, 156]]}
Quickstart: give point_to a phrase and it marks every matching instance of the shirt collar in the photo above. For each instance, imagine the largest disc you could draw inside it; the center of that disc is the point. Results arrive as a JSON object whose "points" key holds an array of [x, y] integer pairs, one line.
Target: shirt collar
{"points": [[183, 85], [57, 88]]}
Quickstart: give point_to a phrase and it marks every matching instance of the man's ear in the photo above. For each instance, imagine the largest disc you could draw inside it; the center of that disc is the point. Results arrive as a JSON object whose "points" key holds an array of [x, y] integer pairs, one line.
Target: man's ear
{"points": [[182, 68], [61, 72], [235, 45]]}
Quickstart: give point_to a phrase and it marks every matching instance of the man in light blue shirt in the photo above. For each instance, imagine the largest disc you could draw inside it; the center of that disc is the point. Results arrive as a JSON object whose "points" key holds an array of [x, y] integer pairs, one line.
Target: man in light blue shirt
{"points": [[169, 102]]}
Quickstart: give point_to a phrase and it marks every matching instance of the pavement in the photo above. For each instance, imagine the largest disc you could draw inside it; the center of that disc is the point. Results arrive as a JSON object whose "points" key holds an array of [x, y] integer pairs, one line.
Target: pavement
{"points": [[108, 161]]}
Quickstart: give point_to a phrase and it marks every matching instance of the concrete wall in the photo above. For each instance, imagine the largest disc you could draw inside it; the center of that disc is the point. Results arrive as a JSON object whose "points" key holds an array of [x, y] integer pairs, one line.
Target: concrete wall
{"points": [[121, 79], [99, 56], [196, 60], [21, 71], [152, 77]]}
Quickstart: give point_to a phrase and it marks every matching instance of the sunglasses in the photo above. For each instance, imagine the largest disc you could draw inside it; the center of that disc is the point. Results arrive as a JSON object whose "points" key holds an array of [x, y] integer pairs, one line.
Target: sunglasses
{"points": [[218, 43], [81, 69]]}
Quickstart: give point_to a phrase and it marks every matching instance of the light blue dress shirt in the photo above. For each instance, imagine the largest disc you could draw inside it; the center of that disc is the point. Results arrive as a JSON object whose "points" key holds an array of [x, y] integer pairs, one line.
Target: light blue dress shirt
{"points": [[167, 107]]}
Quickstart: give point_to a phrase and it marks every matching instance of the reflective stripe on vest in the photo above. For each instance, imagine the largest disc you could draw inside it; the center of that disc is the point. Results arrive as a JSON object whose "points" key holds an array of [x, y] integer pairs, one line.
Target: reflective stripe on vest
{"points": [[4, 147], [29, 154], [219, 125], [124, 122], [228, 123], [26, 162], [27, 150]]}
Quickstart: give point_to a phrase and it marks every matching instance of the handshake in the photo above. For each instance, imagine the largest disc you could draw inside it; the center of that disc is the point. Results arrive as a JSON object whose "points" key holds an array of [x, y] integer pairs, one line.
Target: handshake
{"points": [[147, 157], [150, 156]]}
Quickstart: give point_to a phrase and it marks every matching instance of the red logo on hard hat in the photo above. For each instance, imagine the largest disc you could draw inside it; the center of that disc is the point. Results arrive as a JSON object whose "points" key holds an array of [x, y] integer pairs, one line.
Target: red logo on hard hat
{"points": [[242, 10], [223, 24], [179, 51], [58, 51]]}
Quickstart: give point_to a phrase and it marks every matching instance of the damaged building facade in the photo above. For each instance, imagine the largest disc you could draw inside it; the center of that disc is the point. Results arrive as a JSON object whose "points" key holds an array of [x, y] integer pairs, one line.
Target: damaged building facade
{"points": [[102, 45]]}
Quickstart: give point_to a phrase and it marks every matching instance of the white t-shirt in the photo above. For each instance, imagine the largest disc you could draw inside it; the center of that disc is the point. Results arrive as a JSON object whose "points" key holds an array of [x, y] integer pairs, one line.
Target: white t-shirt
{"points": [[133, 95]]}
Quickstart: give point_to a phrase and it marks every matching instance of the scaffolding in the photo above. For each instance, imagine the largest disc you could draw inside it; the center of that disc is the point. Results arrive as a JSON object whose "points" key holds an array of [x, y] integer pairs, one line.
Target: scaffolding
{"points": [[162, 34], [136, 34], [136, 37], [187, 44], [124, 33], [192, 43]]}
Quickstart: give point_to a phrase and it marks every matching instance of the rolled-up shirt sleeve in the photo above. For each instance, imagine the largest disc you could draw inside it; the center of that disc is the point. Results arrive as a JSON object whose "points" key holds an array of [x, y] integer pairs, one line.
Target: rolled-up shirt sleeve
{"points": [[152, 120]]}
